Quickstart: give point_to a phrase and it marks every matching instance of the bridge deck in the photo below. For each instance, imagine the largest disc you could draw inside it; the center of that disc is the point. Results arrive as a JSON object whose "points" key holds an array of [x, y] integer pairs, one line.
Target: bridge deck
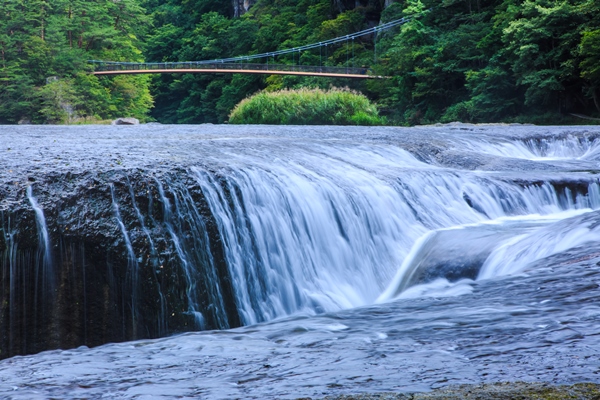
{"points": [[117, 68], [234, 71]]}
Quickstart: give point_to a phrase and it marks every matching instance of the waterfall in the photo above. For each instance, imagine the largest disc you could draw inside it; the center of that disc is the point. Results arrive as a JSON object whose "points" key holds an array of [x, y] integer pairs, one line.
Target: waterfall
{"points": [[550, 222], [132, 261], [514, 254], [154, 258], [195, 254], [258, 228], [44, 246], [566, 147], [321, 234]]}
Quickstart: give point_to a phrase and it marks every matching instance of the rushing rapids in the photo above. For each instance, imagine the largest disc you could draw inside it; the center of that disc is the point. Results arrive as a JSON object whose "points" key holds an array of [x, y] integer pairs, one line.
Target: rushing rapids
{"points": [[123, 233]]}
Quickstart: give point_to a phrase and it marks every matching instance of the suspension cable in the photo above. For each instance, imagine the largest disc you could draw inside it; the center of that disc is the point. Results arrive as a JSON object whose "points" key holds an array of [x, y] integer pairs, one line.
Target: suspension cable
{"points": [[299, 49]]}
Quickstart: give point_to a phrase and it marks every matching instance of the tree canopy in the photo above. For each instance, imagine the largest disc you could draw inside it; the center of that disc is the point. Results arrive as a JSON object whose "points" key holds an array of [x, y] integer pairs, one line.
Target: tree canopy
{"points": [[467, 60], [44, 48]]}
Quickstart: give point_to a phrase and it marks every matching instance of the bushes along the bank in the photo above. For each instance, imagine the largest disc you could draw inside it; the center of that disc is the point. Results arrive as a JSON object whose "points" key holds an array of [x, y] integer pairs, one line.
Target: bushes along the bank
{"points": [[306, 107]]}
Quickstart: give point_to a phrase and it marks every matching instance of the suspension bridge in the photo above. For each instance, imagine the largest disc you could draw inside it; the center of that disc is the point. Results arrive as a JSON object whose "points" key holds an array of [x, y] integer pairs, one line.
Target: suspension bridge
{"points": [[248, 64]]}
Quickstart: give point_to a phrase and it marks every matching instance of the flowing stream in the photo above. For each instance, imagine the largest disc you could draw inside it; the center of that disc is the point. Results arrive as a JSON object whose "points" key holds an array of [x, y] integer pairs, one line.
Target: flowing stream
{"points": [[322, 260]]}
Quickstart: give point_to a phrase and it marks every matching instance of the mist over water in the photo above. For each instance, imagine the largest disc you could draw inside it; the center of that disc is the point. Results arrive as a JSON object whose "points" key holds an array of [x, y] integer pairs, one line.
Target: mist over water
{"points": [[355, 259]]}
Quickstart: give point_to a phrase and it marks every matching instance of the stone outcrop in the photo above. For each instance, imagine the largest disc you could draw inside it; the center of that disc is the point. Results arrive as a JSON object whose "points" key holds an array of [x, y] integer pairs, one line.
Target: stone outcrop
{"points": [[125, 121], [108, 264], [241, 7]]}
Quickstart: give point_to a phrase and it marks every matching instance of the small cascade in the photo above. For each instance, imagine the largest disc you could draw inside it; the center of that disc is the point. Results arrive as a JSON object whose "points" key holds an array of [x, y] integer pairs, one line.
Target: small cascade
{"points": [[153, 258], [44, 278], [190, 237], [513, 255], [44, 246], [503, 246], [28, 281], [10, 280], [132, 262], [568, 147]]}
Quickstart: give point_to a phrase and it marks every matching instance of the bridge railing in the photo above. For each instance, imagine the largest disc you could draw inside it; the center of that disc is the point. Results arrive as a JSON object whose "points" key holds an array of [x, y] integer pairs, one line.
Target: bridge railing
{"points": [[127, 66]]}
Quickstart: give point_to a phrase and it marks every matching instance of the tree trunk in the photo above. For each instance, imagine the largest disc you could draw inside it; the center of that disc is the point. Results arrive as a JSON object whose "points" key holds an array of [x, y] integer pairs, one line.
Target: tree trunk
{"points": [[80, 41], [70, 32]]}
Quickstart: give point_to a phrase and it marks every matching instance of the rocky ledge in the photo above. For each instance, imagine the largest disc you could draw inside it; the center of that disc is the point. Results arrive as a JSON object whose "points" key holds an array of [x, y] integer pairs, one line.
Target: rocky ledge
{"points": [[491, 391]]}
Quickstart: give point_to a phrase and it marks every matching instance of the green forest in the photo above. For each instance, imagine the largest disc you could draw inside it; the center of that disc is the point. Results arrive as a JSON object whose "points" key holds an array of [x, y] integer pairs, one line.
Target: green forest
{"points": [[456, 60]]}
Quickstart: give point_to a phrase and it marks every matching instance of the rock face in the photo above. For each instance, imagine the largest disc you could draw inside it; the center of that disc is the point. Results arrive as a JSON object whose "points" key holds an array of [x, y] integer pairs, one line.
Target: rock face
{"points": [[240, 7], [126, 121], [344, 5], [104, 264]]}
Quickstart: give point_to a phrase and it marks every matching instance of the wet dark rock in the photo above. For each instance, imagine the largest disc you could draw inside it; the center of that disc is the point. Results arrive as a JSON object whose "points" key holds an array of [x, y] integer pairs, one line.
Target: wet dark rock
{"points": [[100, 293]]}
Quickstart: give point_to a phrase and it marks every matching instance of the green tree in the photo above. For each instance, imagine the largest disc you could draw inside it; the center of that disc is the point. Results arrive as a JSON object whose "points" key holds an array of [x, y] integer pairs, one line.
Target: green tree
{"points": [[540, 44], [43, 51], [270, 25], [590, 64]]}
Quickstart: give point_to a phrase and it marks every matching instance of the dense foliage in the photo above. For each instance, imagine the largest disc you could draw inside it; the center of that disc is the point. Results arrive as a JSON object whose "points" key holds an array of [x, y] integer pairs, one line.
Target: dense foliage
{"points": [[184, 31], [494, 60], [44, 46], [306, 107], [468, 60]]}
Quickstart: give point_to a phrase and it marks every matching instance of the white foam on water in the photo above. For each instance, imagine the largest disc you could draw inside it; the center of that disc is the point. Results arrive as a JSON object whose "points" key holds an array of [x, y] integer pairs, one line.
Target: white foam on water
{"points": [[547, 149]]}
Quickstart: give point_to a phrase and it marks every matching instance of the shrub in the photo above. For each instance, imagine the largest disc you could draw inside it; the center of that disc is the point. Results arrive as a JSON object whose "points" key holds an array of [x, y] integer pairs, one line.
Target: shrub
{"points": [[306, 107]]}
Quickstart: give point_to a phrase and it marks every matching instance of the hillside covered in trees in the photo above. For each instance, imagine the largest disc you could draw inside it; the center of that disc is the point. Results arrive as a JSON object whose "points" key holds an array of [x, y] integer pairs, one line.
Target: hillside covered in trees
{"points": [[466, 60], [44, 48]]}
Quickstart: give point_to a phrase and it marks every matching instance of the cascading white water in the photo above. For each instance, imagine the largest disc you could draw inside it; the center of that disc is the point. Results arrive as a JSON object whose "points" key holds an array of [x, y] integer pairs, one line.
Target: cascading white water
{"points": [[514, 254], [563, 148], [328, 227], [132, 262], [173, 224], [45, 249]]}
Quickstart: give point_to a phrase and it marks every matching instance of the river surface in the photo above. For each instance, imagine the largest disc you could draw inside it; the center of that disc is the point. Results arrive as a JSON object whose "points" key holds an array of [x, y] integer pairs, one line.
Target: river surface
{"points": [[362, 259]]}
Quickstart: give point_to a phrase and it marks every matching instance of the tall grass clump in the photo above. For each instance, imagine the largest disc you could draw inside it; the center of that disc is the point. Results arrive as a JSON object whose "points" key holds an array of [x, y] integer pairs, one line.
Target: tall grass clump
{"points": [[306, 107]]}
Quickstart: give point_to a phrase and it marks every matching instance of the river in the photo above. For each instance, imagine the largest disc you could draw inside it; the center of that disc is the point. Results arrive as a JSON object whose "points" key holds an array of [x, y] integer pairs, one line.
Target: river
{"points": [[303, 261]]}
